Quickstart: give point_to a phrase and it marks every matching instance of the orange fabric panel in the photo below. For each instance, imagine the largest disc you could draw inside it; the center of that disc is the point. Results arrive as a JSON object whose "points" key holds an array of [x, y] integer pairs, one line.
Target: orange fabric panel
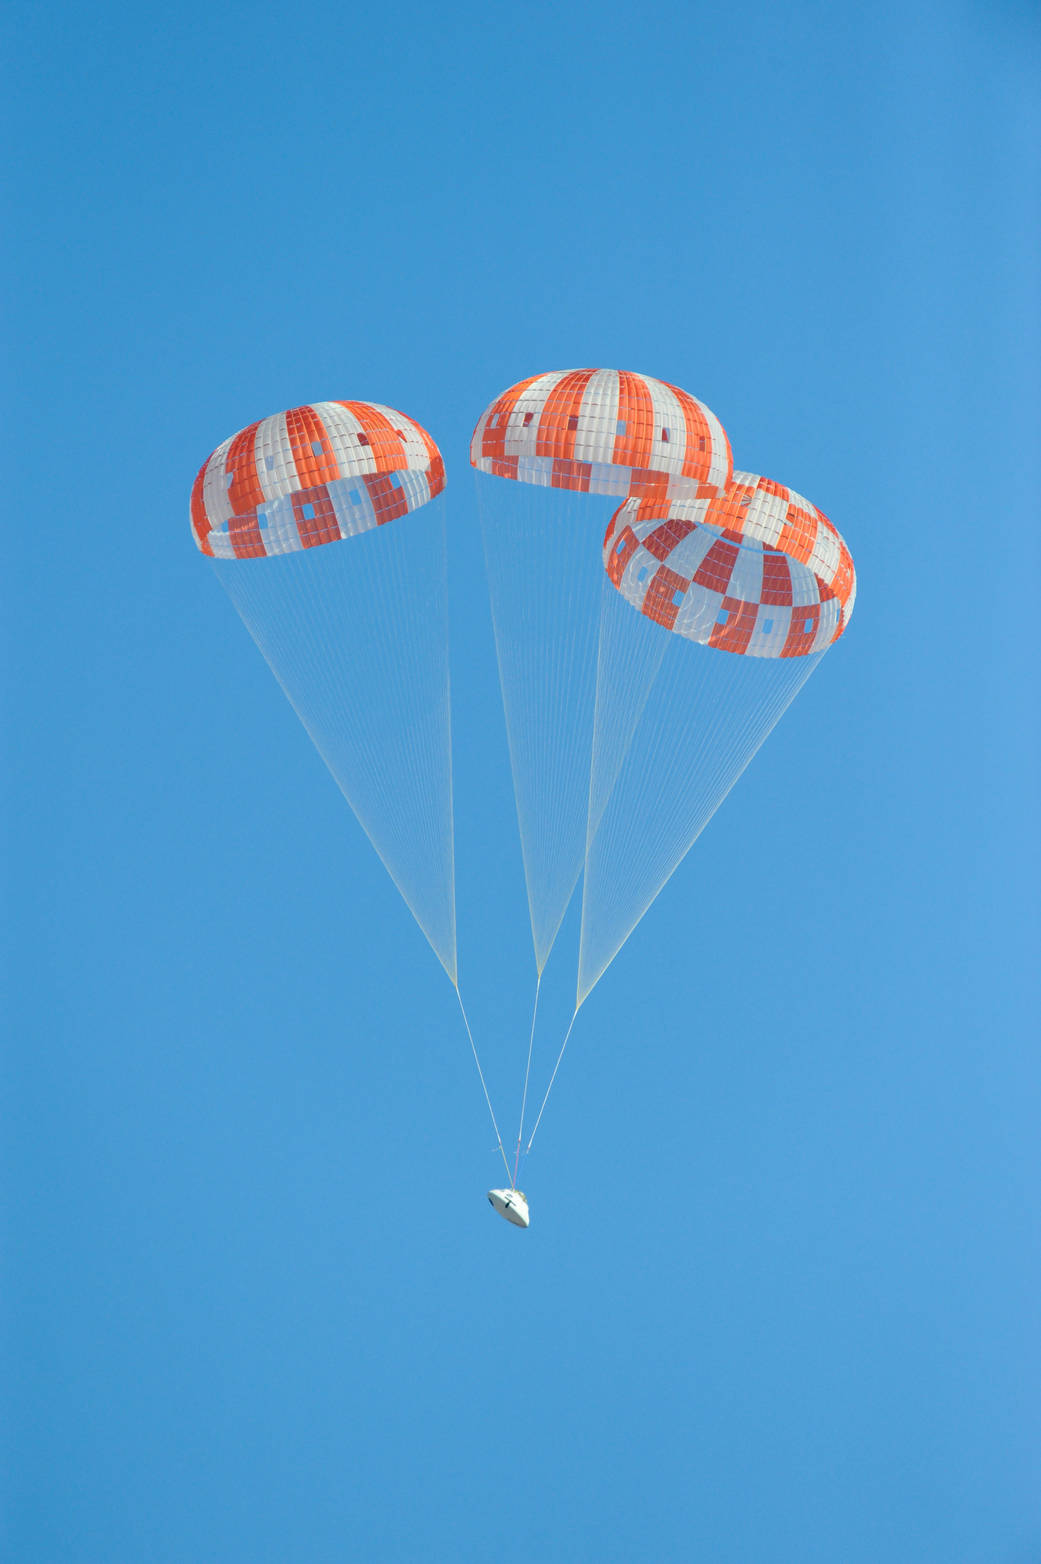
{"points": [[843, 581], [799, 638], [436, 469], [664, 539], [697, 455], [200, 520], [777, 580], [388, 500], [387, 445], [306, 430], [244, 532], [798, 534], [727, 511], [717, 566], [323, 526], [658, 602], [622, 553], [244, 492], [735, 635], [558, 420]]}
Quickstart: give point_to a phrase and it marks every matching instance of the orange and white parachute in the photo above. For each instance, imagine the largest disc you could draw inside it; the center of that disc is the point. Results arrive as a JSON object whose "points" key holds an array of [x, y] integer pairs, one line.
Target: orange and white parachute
{"points": [[758, 570], [604, 431], [315, 474], [351, 615], [760, 581], [587, 435]]}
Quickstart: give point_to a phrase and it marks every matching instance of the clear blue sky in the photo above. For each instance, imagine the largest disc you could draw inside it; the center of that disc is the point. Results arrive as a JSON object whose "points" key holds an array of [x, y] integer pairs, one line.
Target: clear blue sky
{"points": [[779, 1301]]}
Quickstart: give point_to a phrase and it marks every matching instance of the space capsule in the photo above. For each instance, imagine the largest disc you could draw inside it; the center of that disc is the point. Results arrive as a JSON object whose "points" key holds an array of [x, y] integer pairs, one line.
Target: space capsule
{"points": [[511, 1204]]}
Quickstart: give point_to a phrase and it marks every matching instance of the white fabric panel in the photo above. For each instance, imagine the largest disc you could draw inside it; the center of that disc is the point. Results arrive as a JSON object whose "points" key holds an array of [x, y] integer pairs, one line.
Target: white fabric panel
{"points": [[806, 592], [746, 581], [598, 419], [416, 487], [352, 515], [220, 545], [765, 517], [610, 480], [278, 527], [274, 458], [696, 616], [520, 441], [831, 612], [685, 508], [847, 608], [214, 487], [824, 559], [769, 643], [667, 455], [687, 556]]}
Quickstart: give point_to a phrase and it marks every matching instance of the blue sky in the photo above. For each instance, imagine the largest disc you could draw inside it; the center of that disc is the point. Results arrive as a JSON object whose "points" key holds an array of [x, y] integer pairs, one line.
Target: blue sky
{"points": [[779, 1298]]}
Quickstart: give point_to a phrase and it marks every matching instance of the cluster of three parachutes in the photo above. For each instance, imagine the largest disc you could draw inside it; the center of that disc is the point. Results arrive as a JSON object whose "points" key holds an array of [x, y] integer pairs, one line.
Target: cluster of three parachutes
{"points": [[638, 676]]}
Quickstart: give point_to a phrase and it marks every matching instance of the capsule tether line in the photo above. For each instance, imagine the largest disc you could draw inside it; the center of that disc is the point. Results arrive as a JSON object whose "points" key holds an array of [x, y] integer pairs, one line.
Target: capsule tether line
{"points": [[553, 1077], [484, 1088], [527, 1073]]}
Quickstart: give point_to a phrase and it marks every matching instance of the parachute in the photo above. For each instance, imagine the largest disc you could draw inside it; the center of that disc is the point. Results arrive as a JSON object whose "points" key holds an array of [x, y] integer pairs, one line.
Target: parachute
{"points": [[736, 601], [547, 452], [326, 532]]}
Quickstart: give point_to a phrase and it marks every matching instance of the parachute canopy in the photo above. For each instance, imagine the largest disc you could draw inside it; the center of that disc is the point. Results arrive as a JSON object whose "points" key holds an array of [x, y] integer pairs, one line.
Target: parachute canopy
{"points": [[604, 431], [312, 475], [758, 570]]}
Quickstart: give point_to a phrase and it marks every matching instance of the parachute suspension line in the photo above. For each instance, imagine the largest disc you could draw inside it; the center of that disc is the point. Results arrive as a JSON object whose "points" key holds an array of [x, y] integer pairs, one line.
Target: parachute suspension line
{"points": [[484, 1088], [356, 634], [552, 1078], [708, 713], [527, 1073], [453, 975], [544, 584], [634, 660]]}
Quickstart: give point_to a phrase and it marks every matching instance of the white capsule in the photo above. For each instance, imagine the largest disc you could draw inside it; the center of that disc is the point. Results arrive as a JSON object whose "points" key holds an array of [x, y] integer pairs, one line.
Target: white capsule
{"points": [[511, 1204]]}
